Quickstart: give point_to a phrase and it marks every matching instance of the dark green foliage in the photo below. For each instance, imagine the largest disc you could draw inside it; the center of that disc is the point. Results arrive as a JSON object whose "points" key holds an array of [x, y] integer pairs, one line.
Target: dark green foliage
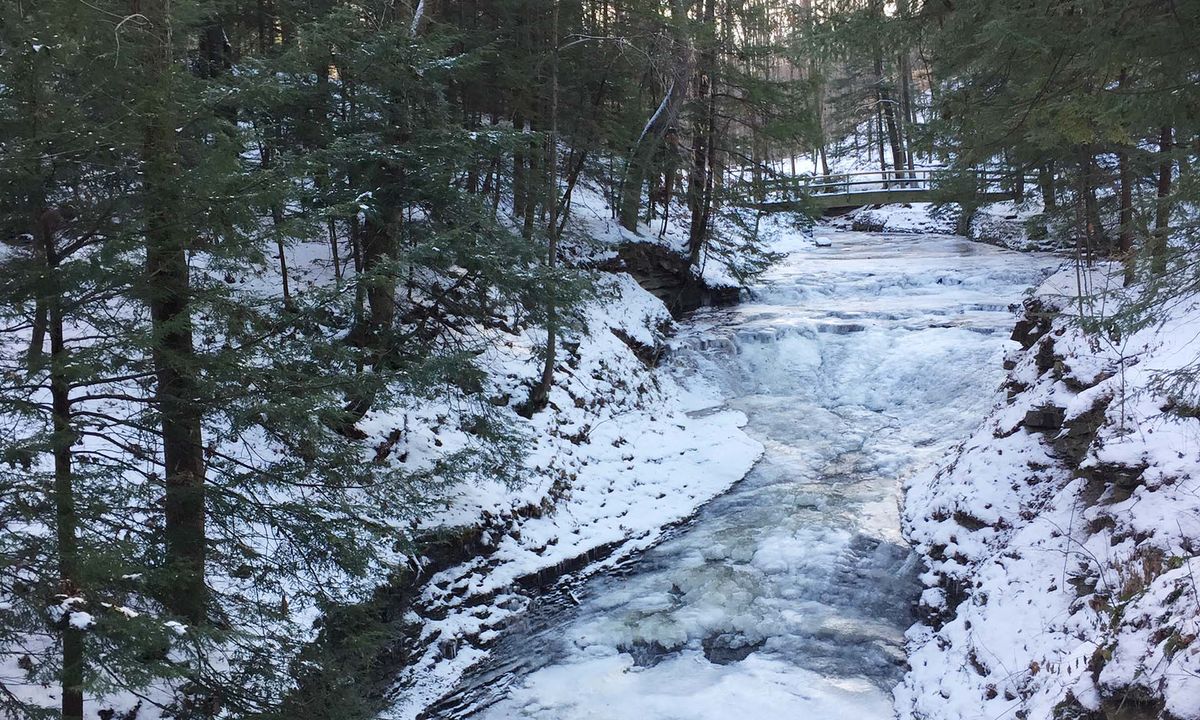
{"points": [[106, 161], [243, 243]]}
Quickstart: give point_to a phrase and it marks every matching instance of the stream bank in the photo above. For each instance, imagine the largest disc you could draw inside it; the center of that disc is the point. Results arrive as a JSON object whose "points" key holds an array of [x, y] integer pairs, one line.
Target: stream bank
{"points": [[855, 365], [1061, 539]]}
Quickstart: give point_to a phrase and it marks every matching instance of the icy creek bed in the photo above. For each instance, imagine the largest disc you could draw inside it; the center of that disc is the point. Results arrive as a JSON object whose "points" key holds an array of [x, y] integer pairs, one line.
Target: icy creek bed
{"points": [[788, 597]]}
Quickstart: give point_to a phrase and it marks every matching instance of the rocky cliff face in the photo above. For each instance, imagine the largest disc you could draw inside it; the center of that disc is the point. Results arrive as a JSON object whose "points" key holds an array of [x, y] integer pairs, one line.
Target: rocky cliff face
{"points": [[1061, 541]]}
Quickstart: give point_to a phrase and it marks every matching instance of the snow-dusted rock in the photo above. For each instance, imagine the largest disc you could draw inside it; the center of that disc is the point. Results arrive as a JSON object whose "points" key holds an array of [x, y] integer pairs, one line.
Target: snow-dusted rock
{"points": [[1062, 555]]}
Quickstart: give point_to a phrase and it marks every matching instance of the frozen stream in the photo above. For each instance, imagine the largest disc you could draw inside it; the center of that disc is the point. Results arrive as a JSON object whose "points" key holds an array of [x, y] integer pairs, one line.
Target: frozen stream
{"points": [[789, 596]]}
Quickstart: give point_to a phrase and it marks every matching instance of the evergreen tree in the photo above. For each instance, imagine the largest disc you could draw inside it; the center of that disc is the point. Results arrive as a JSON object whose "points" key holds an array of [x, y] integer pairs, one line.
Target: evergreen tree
{"points": [[1083, 90], [237, 236]]}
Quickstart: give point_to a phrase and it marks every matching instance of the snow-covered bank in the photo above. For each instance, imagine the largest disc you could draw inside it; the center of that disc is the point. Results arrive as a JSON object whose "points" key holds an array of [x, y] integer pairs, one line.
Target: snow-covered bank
{"points": [[1004, 224], [624, 451], [787, 597], [1062, 538], [900, 218]]}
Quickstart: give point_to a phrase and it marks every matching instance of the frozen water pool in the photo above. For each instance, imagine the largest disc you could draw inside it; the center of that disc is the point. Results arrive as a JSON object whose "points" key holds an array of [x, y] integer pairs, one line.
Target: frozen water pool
{"points": [[788, 597]]}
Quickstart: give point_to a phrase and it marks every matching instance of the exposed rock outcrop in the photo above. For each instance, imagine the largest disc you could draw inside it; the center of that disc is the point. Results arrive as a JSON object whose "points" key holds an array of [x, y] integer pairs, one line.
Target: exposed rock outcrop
{"points": [[666, 275]]}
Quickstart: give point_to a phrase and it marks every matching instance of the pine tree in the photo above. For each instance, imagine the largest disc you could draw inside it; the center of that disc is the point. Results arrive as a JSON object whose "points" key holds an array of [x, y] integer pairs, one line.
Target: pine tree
{"points": [[1079, 88], [78, 494], [239, 238]]}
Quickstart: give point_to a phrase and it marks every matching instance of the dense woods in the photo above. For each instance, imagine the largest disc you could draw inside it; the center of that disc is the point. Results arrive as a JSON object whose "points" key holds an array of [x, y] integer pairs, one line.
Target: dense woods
{"points": [[1092, 105], [185, 478], [185, 481]]}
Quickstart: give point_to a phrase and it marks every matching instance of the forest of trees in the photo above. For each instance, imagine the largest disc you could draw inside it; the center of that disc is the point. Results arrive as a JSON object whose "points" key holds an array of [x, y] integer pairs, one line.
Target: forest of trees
{"points": [[1094, 104], [184, 474], [183, 465]]}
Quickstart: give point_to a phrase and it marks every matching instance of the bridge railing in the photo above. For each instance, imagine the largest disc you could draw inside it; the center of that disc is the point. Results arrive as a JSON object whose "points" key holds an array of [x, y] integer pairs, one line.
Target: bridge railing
{"points": [[929, 179], [870, 181]]}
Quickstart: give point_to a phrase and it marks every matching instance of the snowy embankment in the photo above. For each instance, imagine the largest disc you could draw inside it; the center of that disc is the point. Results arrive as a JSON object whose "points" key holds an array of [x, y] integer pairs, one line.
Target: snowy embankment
{"points": [[1005, 224], [624, 451], [1061, 540], [901, 218]]}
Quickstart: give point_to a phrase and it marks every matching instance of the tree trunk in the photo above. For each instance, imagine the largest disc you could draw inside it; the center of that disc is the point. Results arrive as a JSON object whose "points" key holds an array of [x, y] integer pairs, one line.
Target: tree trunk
{"points": [[904, 68], [373, 325], [37, 333], [64, 491], [1093, 227], [888, 109], [520, 182], [540, 395], [1125, 230], [653, 133], [334, 253], [883, 163], [169, 295], [700, 187], [1125, 217], [215, 52], [909, 115], [534, 189], [1046, 185], [1162, 208]]}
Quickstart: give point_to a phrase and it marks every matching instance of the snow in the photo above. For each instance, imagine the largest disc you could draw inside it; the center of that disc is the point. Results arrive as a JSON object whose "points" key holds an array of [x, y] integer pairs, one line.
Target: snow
{"points": [[1008, 224], [80, 620], [1005, 224], [1072, 577], [859, 362], [612, 687], [638, 450], [127, 612], [788, 596], [623, 452], [901, 218]]}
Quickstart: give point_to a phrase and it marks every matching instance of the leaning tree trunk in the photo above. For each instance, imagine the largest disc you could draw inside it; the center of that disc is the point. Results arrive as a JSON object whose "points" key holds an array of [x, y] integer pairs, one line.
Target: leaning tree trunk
{"points": [[655, 130]]}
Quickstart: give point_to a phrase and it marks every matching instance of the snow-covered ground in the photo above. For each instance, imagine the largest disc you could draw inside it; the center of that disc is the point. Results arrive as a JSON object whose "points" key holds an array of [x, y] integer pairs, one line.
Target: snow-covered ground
{"points": [[1006, 224], [1062, 537], [902, 218], [855, 364], [623, 452]]}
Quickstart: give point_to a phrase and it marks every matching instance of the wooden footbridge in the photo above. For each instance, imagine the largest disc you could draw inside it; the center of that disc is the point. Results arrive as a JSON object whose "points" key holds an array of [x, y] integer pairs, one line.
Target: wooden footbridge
{"points": [[850, 190]]}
